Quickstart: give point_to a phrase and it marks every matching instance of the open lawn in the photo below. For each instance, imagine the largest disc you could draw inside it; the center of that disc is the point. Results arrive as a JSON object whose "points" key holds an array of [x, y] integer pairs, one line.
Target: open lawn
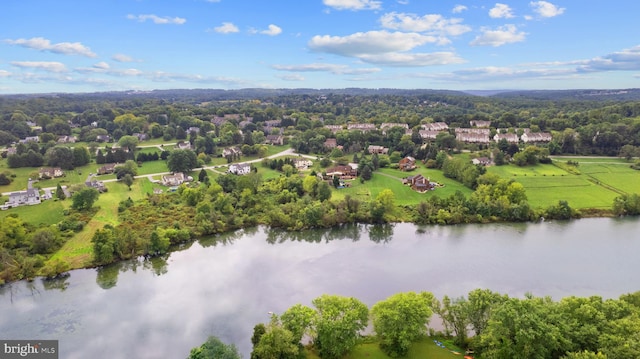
{"points": [[388, 178], [425, 348], [595, 184], [78, 250], [48, 212], [153, 167]]}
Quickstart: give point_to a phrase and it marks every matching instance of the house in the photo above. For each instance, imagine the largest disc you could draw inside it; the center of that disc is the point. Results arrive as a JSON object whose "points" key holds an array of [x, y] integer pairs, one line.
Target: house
{"points": [[302, 163], [407, 164], [377, 149], [67, 139], [183, 145], [193, 129], [472, 137], [272, 123], [275, 140], [103, 138], [361, 126], [342, 171], [231, 152], [28, 139], [330, 143], [50, 172], [106, 169], [240, 168], [485, 161], [428, 134], [536, 137], [175, 179], [509, 137], [23, 198], [418, 183], [94, 183], [436, 126]]}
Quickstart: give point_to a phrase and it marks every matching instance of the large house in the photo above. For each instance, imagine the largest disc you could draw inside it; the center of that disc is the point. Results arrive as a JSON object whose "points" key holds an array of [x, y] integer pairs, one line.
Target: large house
{"points": [[23, 198], [418, 183], [107, 169], [240, 168], [275, 140], [302, 163], [407, 164], [183, 145], [94, 183], [50, 172], [509, 137], [231, 152], [175, 179], [343, 172], [435, 126], [536, 137], [377, 149], [361, 126]]}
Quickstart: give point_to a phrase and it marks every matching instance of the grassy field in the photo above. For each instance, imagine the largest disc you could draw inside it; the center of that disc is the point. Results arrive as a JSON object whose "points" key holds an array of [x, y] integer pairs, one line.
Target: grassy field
{"points": [[425, 348], [594, 184]]}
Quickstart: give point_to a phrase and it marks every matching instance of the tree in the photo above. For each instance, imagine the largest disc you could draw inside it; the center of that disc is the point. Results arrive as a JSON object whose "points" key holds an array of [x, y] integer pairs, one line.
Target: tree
{"points": [[130, 168], [455, 316], [182, 161], [60, 192], [84, 199], [203, 176], [324, 191], [340, 321], [400, 320], [81, 156], [277, 342], [366, 173], [59, 156], [127, 179], [128, 142], [299, 320], [214, 348]]}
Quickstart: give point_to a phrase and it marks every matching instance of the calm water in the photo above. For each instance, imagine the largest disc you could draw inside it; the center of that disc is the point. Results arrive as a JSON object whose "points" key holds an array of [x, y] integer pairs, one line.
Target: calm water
{"points": [[225, 285]]}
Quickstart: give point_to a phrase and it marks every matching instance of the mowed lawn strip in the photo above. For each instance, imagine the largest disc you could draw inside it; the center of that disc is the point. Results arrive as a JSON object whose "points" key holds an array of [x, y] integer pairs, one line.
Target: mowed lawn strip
{"points": [[422, 349]]}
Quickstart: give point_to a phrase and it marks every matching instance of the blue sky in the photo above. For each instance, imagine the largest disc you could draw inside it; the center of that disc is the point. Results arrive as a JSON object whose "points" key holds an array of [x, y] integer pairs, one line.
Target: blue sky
{"points": [[105, 45]]}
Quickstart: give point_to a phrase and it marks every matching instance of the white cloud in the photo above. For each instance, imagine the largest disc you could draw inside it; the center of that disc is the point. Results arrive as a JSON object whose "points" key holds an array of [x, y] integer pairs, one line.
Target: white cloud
{"points": [[102, 65], [431, 23], [122, 58], [366, 43], [353, 4], [459, 8], [500, 11], [157, 19], [322, 67], [410, 59], [42, 44], [291, 77], [4, 73], [49, 66], [501, 36], [226, 28], [625, 60], [272, 30], [403, 2], [546, 9]]}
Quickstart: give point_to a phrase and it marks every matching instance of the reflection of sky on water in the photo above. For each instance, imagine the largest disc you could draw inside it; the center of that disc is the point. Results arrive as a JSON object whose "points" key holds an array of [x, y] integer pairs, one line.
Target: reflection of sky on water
{"points": [[153, 310]]}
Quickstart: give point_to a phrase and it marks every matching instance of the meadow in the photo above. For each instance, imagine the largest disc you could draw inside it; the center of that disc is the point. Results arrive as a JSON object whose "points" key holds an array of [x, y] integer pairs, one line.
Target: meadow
{"points": [[425, 348], [594, 183]]}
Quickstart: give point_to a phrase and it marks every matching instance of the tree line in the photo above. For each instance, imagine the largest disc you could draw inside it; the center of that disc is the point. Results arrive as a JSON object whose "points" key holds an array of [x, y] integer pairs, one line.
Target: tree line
{"points": [[486, 323]]}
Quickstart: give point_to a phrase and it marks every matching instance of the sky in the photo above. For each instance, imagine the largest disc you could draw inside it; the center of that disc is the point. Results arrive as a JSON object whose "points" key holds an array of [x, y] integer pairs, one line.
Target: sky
{"points": [[114, 45]]}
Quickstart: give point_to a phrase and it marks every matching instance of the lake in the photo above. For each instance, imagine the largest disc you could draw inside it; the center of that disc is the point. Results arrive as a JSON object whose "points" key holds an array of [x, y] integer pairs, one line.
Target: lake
{"points": [[224, 285]]}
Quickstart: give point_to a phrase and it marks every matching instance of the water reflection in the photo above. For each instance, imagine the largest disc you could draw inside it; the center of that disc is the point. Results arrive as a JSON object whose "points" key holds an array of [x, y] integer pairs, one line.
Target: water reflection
{"points": [[60, 283]]}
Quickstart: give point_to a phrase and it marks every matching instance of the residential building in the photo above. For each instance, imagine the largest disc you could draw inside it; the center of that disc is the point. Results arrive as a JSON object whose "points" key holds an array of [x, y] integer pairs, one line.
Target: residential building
{"points": [[275, 140], [94, 183], [330, 143], [377, 149], [361, 126], [103, 138], [536, 137], [302, 163], [175, 179], [407, 164], [418, 183], [485, 161], [389, 125], [50, 172], [428, 134], [231, 152], [509, 137], [67, 139], [183, 145], [23, 198], [342, 171], [30, 139], [240, 168], [334, 128], [107, 169], [435, 126]]}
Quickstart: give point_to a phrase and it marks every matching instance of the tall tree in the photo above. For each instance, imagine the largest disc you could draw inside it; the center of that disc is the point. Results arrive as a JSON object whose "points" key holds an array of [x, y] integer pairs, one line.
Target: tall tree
{"points": [[214, 348], [400, 320], [182, 161], [340, 321]]}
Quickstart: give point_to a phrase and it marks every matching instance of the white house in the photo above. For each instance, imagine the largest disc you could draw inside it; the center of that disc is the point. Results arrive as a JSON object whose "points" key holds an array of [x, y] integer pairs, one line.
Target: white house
{"points": [[175, 179], [23, 198], [240, 168]]}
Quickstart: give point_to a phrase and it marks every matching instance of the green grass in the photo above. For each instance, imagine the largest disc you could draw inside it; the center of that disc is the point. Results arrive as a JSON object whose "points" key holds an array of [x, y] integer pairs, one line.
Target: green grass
{"points": [[48, 212], [596, 185], [422, 349], [150, 167]]}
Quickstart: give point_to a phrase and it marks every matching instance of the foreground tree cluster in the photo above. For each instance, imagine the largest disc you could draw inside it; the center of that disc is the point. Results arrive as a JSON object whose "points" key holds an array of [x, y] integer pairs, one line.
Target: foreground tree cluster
{"points": [[500, 327]]}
